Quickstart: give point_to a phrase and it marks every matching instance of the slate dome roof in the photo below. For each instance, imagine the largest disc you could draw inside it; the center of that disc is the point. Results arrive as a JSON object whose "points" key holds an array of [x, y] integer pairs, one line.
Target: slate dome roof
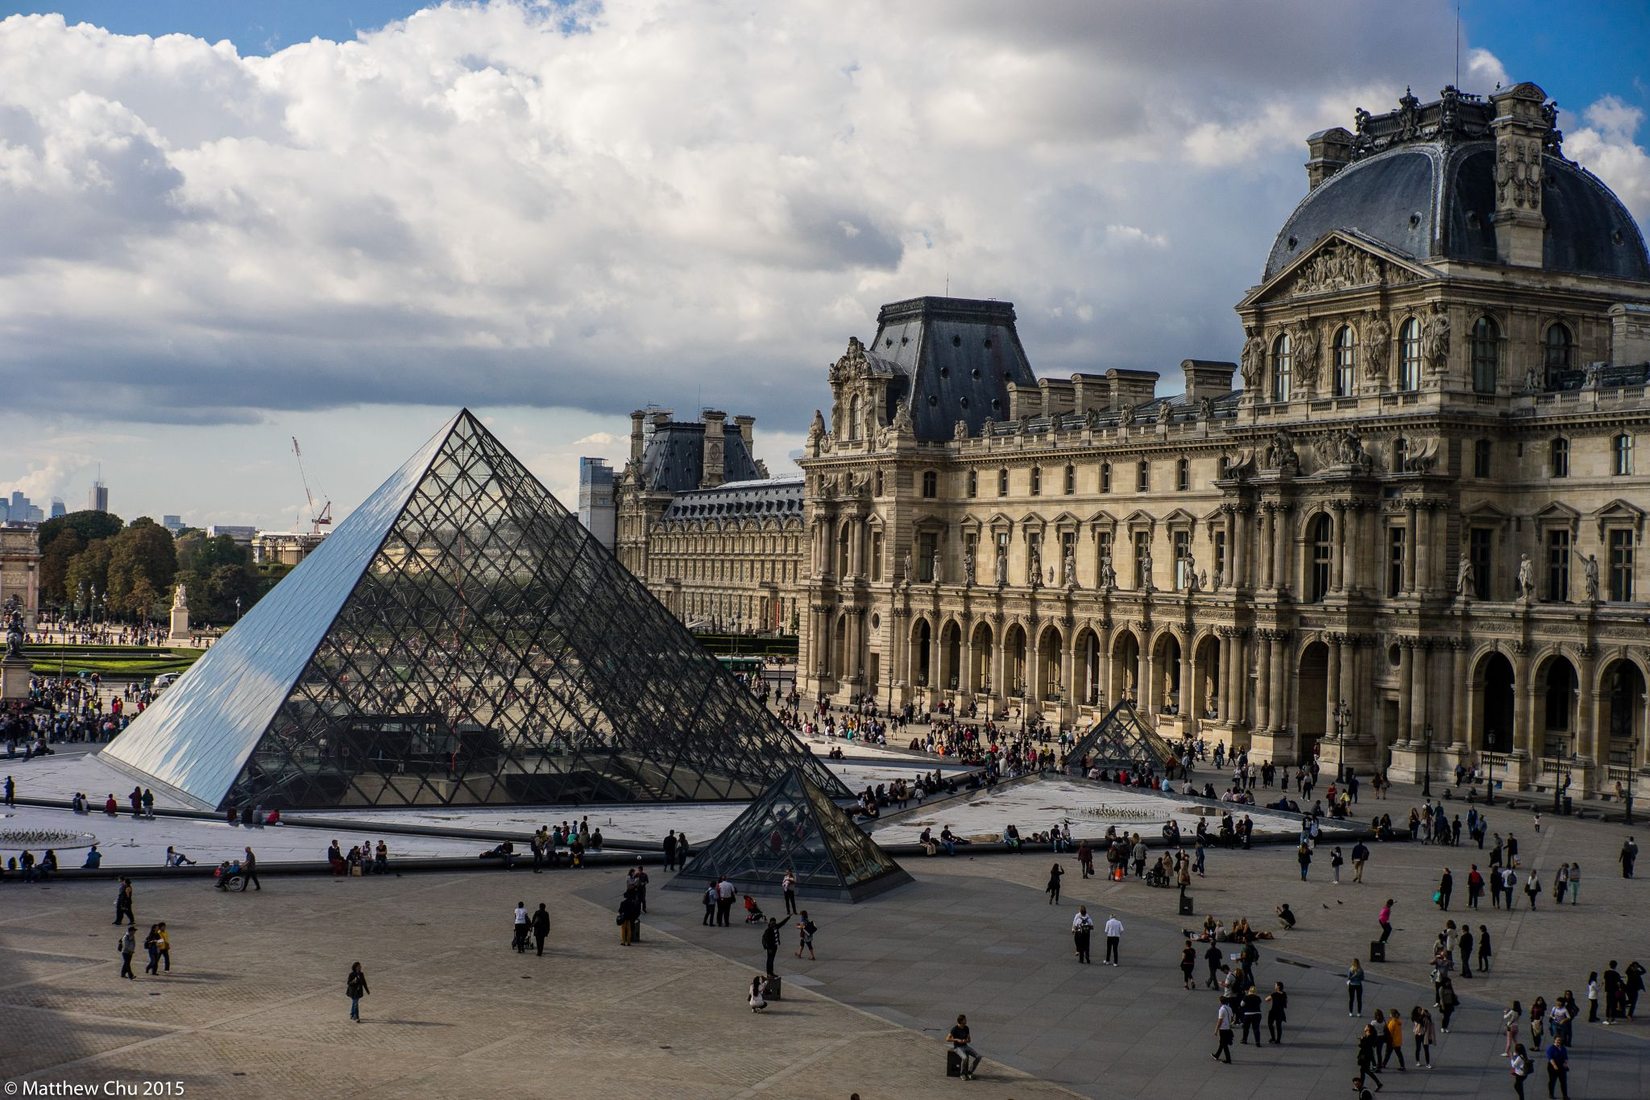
{"points": [[1435, 200]]}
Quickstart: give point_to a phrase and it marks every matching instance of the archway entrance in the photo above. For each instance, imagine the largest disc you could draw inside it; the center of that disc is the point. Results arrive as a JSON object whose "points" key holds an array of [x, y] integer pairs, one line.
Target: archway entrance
{"points": [[922, 641], [979, 673], [1622, 720], [950, 655], [1015, 652], [1125, 668], [1050, 658], [1311, 700], [1494, 687], [1087, 688], [1206, 689], [1558, 689], [1165, 691]]}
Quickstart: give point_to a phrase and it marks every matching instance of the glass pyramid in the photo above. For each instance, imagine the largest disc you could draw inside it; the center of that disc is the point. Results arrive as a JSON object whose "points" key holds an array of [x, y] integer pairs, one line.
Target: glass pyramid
{"points": [[460, 639], [795, 826], [1121, 740]]}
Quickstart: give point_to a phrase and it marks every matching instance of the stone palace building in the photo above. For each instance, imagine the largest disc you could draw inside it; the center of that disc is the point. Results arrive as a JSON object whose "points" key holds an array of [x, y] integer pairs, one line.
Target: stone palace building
{"points": [[1409, 539]]}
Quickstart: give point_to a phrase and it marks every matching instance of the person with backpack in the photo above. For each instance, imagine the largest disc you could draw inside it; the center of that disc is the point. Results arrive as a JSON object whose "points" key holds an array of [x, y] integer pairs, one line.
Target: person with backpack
{"points": [[355, 987], [1519, 1066], [805, 934]]}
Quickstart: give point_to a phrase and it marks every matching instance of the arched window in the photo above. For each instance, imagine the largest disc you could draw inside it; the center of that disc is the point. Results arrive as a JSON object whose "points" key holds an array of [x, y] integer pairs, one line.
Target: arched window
{"points": [[1409, 356], [1036, 481], [1105, 477], [930, 484], [973, 483], [1283, 365], [1321, 536], [1002, 482], [1486, 355], [1346, 355], [1183, 475], [853, 417], [1071, 480], [1559, 347]]}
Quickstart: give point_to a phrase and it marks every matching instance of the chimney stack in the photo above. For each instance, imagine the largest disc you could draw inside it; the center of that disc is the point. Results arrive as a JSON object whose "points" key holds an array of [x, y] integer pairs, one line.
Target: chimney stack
{"points": [[1521, 125], [715, 468], [637, 418], [1330, 151]]}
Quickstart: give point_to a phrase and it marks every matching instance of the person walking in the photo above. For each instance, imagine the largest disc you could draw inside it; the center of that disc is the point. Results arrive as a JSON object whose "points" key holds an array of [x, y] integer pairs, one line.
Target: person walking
{"points": [[1277, 1014], [1355, 989], [805, 929], [670, 850], [710, 900], [1053, 886], [1532, 887], [1475, 886], [1085, 859], [1303, 856], [1368, 1042], [770, 940], [1612, 994], [1592, 997], [1395, 1040], [1445, 885], [1360, 856], [163, 946], [1213, 957], [1082, 931], [355, 987], [1465, 944], [127, 947], [1384, 919], [1519, 1066], [11, 795], [541, 926], [1188, 965], [1223, 1033], [1483, 949], [1575, 883], [1632, 985], [1558, 1068], [249, 872], [1250, 1007], [1335, 862], [1114, 937], [788, 886], [123, 902], [1629, 847], [151, 944], [1448, 1002], [519, 926], [961, 1040]]}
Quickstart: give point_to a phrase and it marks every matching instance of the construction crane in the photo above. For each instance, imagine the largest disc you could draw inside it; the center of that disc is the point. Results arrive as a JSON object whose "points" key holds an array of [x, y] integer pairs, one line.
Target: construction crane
{"points": [[317, 519]]}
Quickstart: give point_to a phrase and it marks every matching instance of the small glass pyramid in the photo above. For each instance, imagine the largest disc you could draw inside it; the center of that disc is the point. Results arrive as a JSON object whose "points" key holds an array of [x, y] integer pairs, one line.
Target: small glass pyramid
{"points": [[794, 826], [1121, 740], [460, 639]]}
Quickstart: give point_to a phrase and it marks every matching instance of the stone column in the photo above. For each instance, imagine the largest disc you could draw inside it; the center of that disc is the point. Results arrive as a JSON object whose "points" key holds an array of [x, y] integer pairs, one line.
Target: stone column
{"points": [[1423, 551], [1587, 737], [1235, 543], [1034, 667], [1283, 547], [1263, 682], [1188, 672], [1460, 739], [1338, 572], [1280, 670], [1267, 548], [1409, 549], [1523, 703], [1068, 676], [1420, 712], [1406, 687], [1332, 682]]}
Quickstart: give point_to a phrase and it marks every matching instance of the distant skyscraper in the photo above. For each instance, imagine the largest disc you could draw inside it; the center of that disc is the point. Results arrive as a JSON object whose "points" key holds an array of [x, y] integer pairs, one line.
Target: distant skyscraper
{"points": [[596, 499], [173, 524], [19, 503], [98, 499], [59, 508]]}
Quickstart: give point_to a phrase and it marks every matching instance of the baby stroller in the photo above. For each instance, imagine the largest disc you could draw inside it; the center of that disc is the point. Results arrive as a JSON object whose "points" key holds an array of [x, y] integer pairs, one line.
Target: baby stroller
{"points": [[753, 911]]}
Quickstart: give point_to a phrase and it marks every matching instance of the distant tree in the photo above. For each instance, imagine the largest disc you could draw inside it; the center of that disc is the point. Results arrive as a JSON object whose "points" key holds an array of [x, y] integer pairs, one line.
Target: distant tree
{"points": [[226, 584], [142, 563], [55, 558], [88, 571], [90, 526]]}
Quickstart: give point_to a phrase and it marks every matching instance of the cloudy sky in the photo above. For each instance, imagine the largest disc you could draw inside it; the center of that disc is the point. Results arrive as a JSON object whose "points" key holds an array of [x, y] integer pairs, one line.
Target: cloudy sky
{"points": [[228, 224]]}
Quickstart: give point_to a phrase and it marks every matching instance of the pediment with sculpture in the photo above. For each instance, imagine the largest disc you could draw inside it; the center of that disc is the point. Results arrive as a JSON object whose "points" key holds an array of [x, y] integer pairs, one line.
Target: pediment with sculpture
{"points": [[1340, 262]]}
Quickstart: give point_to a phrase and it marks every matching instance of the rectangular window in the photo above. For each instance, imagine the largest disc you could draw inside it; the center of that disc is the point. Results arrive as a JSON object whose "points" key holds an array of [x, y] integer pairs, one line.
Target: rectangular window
{"points": [[1622, 455], [1182, 556], [930, 484], [1071, 480], [1395, 561], [1483, 563], [1183, 475], [926, 543], [1558, 566], [1142, 551], [1220, 554], [973, 484], [1560, 466], [876, 555], [1105, 477], [1002, 483], [1481, 458], [1142, 476], [1621, 565], [1036, 481]]}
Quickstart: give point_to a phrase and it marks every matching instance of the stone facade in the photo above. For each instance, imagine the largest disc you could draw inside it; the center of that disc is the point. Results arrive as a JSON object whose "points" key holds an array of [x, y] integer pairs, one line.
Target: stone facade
{"points": [[1411, 539], [20, 570]]}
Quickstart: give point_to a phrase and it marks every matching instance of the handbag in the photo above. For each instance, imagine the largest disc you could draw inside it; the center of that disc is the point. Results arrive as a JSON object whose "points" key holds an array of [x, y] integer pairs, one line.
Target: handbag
{"points": [[1437, 896]]}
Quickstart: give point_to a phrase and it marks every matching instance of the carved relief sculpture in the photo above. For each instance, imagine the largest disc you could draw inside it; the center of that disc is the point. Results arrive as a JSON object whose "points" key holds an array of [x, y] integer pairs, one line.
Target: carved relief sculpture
{"points": [[1254, 359], [1377, 347], [1304, 343], [1438, 338]]}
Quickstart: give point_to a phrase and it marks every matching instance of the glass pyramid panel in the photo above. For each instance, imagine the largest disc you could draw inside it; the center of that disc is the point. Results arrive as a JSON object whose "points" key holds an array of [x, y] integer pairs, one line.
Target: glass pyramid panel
{"points": [[460, 639], [1121, 740], [794, 826]]}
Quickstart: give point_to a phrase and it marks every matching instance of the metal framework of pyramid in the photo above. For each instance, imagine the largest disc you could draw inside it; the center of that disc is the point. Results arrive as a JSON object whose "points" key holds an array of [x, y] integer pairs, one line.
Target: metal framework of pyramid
{"points": [[794, 826], [459, 639], [1122, 740]]}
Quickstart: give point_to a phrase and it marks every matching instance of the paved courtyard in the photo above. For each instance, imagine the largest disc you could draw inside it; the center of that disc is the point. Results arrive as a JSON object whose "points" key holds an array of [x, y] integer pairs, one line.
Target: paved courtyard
{"points": [[255, 1006]]}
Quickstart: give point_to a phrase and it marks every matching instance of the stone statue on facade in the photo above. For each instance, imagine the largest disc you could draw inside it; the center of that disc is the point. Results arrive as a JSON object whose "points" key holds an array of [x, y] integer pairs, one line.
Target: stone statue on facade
{"points": [[1071, 569], [906, 567], [936, 567], [1464, 577], [1146, 571], [1165, 412], [1206, 408], [1304, 347], [1589, 576], [14, 634], [1002, 567], [1108, 575], [180, 597], [1526, 578], [1253, 360], [1194, 583], [1125, 414], [1219, 579], [968, 568], [1280, 453], [1438, 338], [1034, 567], [1377, 347]]}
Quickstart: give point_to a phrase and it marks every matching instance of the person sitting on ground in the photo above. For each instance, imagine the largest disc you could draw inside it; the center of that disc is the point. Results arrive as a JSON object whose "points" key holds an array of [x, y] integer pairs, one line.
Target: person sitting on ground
{"points": [[1286, 916], [175, 858], [756, 1000]]}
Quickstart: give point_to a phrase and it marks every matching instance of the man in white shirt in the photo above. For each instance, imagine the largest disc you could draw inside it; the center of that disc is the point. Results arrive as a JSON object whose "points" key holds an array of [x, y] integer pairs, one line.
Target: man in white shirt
{"points": [[1223, 1031], [1114, 936]]}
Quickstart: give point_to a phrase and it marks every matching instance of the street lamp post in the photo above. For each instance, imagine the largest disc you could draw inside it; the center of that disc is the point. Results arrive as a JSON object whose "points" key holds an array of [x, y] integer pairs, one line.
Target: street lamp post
{"points": [[1632, 765], [237, 609], [1561, 779], [1343, 718], [1489, 767], [1426, 778]]}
